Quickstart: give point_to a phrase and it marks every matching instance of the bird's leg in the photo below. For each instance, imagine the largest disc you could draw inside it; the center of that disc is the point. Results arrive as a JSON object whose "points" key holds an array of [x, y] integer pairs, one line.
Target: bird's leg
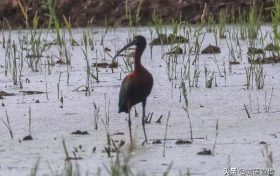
{"points": [[143, 120], [129, 127]]}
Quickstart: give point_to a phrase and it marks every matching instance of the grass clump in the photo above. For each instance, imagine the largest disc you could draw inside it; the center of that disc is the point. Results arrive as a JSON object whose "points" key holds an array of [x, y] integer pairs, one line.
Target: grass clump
{"points": [[254, 22]]}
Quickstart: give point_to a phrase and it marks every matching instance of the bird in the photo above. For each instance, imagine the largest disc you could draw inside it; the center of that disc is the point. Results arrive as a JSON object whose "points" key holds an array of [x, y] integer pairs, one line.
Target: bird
{"points": [[137, 85]]}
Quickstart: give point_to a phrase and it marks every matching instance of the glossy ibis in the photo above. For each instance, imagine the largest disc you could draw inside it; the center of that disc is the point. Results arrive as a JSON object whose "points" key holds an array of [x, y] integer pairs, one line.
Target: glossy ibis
{"points": [[136, 86]]}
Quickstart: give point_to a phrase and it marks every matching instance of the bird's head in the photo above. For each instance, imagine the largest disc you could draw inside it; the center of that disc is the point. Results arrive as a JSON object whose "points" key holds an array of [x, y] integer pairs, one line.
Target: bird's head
{"points": [[138, 40]]}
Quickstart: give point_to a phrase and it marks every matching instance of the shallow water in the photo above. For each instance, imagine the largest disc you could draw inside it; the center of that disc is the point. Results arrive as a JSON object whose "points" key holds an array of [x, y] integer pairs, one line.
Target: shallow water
{"points": [[237, 142]]}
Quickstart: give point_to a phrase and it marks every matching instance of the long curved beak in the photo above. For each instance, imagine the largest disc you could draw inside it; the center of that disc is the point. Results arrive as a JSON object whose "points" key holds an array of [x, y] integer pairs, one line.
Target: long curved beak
{"points": [[124, 48]]}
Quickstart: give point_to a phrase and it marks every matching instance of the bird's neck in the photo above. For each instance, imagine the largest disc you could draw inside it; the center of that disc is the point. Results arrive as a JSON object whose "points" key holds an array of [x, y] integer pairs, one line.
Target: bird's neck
{"points": [[137, 57]]}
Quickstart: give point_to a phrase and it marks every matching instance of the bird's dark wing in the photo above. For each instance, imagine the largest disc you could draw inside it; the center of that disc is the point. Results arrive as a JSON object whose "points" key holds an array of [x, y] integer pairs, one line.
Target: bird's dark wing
{"points": [[126, 91]]}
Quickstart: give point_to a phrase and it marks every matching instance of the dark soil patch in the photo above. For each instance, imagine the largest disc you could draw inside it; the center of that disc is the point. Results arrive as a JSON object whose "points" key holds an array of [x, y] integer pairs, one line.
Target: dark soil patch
{"points": [[34, 56], [205, 152], [3, 94], [106, 65], [167, 40], [30, 92], [74, 158], [234, 62], [60, 62], [180, 142], [264, 60], [175, 50], [252, 50], [78, 132], [27, 138], [157, 141], [210, 49], [118, 133]]}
